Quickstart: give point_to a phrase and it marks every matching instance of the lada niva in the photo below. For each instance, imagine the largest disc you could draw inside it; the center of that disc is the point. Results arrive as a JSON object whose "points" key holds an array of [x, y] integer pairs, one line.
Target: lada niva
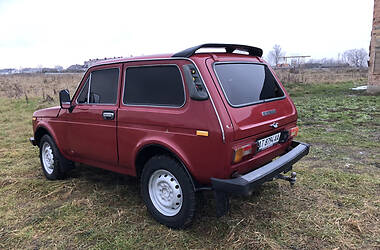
{"points": [[182, 123]]}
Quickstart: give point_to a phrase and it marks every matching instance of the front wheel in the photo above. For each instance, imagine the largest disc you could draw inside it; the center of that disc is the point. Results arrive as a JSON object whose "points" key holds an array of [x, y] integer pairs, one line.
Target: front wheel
{"points": [[54, 165], [168, 191]]}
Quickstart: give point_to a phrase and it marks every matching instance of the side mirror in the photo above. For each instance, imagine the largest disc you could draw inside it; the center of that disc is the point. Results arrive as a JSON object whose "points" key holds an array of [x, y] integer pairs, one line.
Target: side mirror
{"points": [[64, 99]]}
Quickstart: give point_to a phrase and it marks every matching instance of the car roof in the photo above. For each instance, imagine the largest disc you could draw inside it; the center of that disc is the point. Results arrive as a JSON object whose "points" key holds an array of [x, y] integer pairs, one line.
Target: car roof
{"points": [[129, 59]]}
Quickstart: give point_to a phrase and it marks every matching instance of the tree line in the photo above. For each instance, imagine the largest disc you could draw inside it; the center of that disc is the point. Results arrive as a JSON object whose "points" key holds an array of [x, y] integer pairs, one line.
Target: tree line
{"points": [[354, 57]]}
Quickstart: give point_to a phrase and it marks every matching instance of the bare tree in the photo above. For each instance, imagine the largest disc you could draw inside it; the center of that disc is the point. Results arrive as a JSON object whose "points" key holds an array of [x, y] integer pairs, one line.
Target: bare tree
{"points": [[274, 56], [356, 57]]}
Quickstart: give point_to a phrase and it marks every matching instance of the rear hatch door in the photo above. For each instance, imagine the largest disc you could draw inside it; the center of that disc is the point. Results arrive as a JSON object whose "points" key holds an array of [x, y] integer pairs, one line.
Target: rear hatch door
{"points": [[254, 99]]}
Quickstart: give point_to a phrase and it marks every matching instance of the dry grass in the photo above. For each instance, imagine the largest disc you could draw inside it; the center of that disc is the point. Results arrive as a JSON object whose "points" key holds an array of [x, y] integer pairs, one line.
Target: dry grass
{"points": [[335, 203], [323, 75], [37, 85]]}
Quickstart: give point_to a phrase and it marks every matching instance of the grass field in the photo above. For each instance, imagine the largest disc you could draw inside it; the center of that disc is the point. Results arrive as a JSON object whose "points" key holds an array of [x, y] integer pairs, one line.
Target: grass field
{"points": [[335, 203]]}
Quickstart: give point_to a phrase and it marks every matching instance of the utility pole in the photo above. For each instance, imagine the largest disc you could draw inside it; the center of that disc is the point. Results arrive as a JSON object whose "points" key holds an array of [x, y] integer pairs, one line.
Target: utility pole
{"points": [[374, 52]]}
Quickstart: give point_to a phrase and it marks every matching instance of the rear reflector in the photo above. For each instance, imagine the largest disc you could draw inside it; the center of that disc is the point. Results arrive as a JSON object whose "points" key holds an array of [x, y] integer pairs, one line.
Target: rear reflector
{"points": [[201, 133]]}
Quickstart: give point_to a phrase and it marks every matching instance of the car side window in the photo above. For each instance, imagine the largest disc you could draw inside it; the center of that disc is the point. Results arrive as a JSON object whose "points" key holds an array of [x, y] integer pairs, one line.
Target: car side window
{"points": [[154, 86], [103, 87], [84, 93]]}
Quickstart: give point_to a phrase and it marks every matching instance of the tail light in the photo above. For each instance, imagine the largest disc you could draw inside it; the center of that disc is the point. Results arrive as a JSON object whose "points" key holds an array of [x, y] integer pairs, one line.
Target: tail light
{"points": [[293, 132], [242, 151]]}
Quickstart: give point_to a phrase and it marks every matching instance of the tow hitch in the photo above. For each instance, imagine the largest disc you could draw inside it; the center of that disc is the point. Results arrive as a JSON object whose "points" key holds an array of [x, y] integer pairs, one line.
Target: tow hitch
{"points": [[292, 178], [245, 184], [223, 201]]}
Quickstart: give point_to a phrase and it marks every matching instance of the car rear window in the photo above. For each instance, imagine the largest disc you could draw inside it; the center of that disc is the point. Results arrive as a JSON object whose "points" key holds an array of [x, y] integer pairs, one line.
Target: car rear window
{"points": [[247, 83], [154, 86]]}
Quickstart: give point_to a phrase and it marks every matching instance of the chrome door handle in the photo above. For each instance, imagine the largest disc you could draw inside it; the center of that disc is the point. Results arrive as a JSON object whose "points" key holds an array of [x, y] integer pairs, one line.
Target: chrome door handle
{"points": [[108, 115]]}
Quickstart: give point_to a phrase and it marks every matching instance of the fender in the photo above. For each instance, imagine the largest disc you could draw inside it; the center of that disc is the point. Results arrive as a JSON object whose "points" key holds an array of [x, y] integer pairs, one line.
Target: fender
{"points": [[176, 155], [45, 125], [172, 147]]}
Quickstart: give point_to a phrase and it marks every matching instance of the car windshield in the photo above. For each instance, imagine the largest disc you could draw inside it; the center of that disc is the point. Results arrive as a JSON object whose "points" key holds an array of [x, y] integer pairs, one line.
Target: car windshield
{"points": [[247, 83]]}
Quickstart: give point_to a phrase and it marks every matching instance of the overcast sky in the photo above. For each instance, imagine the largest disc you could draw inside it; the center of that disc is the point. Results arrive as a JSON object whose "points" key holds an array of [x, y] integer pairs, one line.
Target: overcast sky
{"points": [[50, 33]]}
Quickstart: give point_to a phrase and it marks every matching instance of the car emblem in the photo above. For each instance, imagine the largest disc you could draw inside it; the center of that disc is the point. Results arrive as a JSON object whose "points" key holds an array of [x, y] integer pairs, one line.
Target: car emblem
{"points": [[274, 125], [268, 112]]}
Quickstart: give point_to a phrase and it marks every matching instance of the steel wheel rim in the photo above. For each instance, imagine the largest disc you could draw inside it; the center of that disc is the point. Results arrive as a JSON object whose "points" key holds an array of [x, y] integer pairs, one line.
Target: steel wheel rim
{"points": [[47, 158], [165, 192]]}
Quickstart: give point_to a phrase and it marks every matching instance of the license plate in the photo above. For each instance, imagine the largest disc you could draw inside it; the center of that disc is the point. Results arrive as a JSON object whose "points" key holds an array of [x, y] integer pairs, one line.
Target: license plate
{"points": [[268, 141]]}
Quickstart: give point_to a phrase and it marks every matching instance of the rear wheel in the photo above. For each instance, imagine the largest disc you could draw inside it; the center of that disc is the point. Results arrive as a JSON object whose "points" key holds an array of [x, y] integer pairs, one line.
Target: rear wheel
{"points": [[54, 165], [168, 192]]}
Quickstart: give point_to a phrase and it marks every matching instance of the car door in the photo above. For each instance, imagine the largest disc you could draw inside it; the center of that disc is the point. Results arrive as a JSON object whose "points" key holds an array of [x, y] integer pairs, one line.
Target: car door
{"points": [[92, 126]]}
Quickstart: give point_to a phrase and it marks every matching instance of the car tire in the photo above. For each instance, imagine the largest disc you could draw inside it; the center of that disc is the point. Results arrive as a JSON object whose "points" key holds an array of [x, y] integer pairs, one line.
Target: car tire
{"points": [[54, 165], [168, 192]]}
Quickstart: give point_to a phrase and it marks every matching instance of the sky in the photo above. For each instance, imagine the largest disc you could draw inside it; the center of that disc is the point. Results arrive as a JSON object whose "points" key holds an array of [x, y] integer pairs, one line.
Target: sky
{"points": [[49, 33]]}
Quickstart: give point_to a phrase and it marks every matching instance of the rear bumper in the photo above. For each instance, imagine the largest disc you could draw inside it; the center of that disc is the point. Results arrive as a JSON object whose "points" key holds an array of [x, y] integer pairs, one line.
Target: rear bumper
{"points": [[33, 141], [245, 184]]}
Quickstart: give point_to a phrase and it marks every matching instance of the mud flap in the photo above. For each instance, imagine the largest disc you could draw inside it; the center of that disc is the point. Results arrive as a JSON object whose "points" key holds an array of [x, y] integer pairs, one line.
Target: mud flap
{"points": [[222, 203]]}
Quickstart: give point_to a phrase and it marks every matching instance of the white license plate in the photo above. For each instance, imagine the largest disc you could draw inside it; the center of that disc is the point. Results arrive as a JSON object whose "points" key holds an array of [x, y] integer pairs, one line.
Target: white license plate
{"points": [[268, 141]]}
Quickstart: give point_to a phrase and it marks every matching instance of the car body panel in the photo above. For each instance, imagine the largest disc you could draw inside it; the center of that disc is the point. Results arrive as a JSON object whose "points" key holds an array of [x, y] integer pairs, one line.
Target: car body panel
{"points": [[47, 112], [249, 120], [173, 128]]}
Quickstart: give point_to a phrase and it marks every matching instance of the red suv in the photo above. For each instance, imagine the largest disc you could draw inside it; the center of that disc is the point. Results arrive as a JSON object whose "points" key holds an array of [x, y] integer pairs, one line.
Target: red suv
{"points": [[182, 123]]}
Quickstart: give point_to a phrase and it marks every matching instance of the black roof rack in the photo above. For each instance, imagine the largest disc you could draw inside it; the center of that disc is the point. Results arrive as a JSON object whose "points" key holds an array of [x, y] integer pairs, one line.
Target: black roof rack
{"points": [[230, 48]]}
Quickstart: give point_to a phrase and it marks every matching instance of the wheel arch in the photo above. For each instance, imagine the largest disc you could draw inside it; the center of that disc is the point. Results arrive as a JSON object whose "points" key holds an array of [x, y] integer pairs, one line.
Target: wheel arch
{"points": [[149, 150], [42, 130]]}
